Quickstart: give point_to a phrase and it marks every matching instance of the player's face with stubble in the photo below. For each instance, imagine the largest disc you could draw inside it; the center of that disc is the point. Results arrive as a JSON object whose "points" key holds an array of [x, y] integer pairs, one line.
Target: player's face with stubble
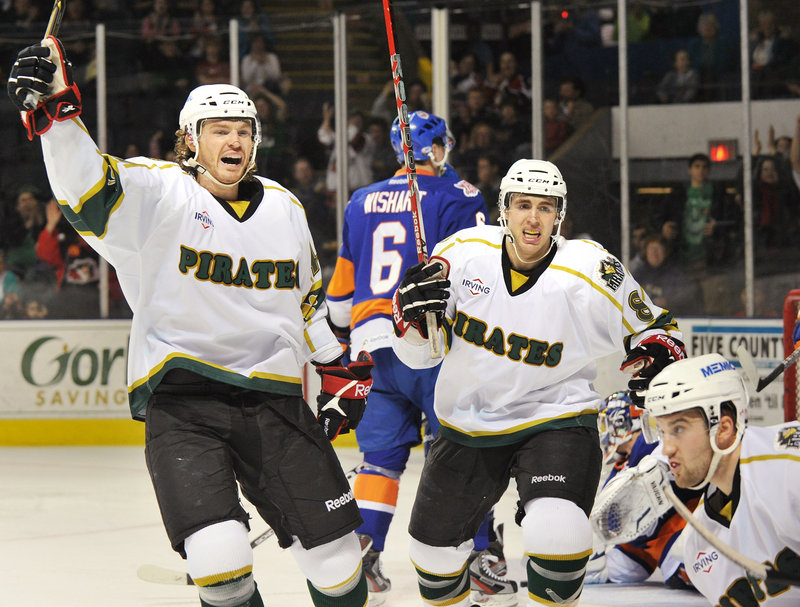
{"points": [[685, 441], [225, 147]]}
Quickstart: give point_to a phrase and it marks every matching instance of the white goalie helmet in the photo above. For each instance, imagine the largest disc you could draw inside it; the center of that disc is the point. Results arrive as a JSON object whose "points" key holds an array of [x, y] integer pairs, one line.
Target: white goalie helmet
{"points": [[535, 177], [705, 382], [218, 101]]}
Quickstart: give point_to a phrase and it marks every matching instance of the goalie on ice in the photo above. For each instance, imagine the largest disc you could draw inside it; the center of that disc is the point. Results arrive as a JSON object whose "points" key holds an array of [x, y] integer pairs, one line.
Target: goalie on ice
{"points": [[748, 475], [650, 537]]}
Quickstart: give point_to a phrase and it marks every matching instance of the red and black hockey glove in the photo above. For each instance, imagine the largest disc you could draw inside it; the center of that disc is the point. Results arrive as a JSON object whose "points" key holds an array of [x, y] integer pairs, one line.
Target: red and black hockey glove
{"points": [[423, 289], [647, 359], [40, 84], [343, 398]]}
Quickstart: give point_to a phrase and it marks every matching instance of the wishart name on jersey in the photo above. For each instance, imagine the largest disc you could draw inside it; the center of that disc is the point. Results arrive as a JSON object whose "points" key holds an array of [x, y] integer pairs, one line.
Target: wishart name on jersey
{"points": [[384, 201]]}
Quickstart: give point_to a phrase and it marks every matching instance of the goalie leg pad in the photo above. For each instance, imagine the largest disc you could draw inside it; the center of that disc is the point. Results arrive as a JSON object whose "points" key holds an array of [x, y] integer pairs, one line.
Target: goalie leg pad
{"points": [[220, 561], [557, 539], [442, 573]]}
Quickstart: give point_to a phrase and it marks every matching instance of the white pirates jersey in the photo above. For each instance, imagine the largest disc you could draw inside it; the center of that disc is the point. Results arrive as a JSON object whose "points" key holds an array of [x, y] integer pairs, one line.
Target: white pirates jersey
{"points": [[761, 521], [519, 361], [238, 300]]}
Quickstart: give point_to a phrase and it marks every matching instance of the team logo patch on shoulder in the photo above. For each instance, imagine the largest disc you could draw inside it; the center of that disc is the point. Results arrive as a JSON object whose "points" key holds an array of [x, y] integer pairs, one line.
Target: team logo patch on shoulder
{"points": [[476, 286], [788, 438], [611, 273], [204, 219], [470, 191]]}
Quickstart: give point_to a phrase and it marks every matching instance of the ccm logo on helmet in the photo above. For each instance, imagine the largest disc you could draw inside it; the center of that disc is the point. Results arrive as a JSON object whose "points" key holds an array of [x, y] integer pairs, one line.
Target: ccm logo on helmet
{"points": [[234, 102]]}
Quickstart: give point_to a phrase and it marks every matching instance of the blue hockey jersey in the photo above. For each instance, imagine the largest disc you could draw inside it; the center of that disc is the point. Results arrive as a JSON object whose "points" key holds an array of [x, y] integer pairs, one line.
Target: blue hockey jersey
{"points": [[378, 246]]}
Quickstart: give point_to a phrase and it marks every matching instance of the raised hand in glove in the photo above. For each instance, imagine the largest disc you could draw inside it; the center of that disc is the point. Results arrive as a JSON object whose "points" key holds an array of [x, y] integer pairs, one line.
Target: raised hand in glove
{"points": [[647, 359], [343, 398], [40, 84], [423, 289]]}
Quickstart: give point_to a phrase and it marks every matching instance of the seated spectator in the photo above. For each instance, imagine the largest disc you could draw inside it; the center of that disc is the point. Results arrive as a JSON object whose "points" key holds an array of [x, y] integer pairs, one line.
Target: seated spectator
{"points": [[164, 62], [252, 21], [320, 210], [488, 182], [384, 162], [481, 141], [680, 84], [512, 131], [77, 270], [273, 151], [556, 128], [20, 231], [665, 282], [205, 22], [574, 107], [770, 53], [712, 56], [214, 67], [638, 236], [472, 111], [465, 75], [507, 84], [261, 68]]}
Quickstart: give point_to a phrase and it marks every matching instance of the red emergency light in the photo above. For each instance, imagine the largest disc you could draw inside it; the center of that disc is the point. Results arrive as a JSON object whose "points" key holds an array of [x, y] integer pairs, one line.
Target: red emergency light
{"points": [[722, 150]]}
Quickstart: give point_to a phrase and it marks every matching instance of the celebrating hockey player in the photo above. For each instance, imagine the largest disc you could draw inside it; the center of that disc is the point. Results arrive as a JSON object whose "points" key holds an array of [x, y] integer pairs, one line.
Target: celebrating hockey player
{"points": [[698, 410], [221, 273], [636, 560], [525, 315], [377, 248]]}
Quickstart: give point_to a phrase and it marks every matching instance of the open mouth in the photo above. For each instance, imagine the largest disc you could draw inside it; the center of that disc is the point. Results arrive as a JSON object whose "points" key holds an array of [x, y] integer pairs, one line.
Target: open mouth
{"points": [[232, 160]]}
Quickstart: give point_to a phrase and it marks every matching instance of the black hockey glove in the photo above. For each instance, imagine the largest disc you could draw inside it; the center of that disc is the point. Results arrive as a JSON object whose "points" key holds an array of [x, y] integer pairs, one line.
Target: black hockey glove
{"points": [[423, 289], [343, 398], [40, 84], [647, 359]]}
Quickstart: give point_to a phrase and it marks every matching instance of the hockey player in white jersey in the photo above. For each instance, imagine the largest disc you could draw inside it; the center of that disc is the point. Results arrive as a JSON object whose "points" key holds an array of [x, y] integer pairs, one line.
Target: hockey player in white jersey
{"points": [[221, 273], [698, 409], [525, 315]]}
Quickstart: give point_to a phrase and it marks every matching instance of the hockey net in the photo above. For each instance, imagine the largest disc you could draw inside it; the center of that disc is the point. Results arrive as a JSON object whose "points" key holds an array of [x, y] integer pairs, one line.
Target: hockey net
{"points": [[791, 377]]}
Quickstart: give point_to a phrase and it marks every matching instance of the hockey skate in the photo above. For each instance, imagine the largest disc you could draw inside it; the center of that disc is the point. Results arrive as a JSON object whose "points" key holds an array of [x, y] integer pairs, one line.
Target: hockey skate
{"points": [[377, 583], [487, 575]]}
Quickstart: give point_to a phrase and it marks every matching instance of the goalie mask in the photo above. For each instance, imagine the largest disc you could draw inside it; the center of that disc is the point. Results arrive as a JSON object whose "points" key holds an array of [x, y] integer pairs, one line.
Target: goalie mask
{"points": [[426, 129], [535, 178], [705, 382], [222, 101], [619, 418]]}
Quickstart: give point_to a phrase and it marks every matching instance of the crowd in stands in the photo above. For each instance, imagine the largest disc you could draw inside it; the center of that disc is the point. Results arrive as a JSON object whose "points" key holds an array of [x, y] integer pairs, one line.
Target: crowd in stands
{"points": [[179, 44]]}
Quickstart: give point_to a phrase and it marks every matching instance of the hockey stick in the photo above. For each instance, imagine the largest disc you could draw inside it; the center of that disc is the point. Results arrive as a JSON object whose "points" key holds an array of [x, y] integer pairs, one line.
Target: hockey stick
{"points": [[749, 367], [162, 575], [411, 172], [759, 571], [53, 25]]}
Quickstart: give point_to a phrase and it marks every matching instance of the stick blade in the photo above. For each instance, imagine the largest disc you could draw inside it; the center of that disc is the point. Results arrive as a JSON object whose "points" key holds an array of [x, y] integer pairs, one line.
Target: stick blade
{"points": [[748, 367], [162, 575]]}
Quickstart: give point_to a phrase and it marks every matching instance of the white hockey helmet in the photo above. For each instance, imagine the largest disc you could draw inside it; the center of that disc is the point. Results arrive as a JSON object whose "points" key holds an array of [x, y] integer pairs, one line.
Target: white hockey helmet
{"points": [[535, 177], [705, 382], [218, 101]]}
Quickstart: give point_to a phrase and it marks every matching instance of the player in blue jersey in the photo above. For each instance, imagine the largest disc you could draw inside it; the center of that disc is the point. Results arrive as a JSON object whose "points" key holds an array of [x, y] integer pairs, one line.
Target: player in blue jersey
{"points": [[378, 246], [635, 561]]}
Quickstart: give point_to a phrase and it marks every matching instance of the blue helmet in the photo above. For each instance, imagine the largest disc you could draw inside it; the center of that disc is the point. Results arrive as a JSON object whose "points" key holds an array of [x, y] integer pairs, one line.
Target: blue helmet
{"points": [[425, 130]]}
